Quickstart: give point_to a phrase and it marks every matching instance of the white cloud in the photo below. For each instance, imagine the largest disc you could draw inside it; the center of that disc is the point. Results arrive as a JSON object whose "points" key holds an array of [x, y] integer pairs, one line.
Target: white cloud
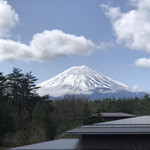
{"points": [[140, 4], [142, 62], [132, 28], [46, 46], [51, 44], [14, 51], [112, 12], [8, 18], [135, 88]]}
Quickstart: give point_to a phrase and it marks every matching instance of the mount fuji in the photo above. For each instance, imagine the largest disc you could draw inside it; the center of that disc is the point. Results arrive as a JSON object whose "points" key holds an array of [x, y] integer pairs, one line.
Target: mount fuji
{"points": [[84, 81]]}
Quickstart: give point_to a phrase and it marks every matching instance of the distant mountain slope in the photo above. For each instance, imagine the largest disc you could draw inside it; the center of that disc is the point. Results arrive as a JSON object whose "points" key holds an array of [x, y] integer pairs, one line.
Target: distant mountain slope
{"points": [[82, 80]]}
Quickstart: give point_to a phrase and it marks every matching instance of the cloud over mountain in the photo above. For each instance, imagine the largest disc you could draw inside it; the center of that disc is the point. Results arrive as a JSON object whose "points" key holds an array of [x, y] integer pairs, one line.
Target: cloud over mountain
{"points": [[46, 46], [50, 44], [142, 62]]}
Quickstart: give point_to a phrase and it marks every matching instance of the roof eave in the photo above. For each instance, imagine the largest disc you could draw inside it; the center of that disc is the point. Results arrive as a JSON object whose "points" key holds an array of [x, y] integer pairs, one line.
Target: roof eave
{"points": [[105, 133]]}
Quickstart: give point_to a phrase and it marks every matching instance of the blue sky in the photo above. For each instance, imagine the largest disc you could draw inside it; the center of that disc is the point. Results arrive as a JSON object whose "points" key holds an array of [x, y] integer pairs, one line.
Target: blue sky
{"points": [[50, 36]]}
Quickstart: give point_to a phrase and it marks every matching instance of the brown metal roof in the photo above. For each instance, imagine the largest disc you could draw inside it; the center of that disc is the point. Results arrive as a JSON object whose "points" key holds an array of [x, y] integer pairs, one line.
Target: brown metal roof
{"points": [[116, 114]]}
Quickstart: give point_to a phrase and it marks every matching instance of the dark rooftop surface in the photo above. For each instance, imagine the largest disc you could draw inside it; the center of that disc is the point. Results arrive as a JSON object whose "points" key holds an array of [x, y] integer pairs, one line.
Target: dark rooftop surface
{"points": [[62, 144], [116, 114], [136, 125]]}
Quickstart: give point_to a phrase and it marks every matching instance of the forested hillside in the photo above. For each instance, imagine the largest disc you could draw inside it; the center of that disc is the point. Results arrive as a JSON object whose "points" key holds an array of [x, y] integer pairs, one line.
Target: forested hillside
{"points": [[27, 118]]}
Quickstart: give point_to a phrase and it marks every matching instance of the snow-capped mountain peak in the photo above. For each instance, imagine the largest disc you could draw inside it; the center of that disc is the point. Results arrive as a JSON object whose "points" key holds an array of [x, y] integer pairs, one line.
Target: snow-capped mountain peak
{"points": [[81, 80]]}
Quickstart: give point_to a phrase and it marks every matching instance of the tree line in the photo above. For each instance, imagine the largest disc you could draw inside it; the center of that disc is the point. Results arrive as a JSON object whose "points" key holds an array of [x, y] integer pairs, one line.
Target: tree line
{"points": [[26, 117]]}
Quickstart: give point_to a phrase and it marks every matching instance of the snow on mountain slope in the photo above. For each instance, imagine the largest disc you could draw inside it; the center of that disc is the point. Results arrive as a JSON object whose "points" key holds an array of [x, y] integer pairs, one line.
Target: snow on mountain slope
{"points": [[82, 80]]}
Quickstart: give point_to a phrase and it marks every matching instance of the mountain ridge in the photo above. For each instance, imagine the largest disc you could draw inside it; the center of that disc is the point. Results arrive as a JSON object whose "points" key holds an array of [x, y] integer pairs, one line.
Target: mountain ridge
{"points": [[82, 80]]}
